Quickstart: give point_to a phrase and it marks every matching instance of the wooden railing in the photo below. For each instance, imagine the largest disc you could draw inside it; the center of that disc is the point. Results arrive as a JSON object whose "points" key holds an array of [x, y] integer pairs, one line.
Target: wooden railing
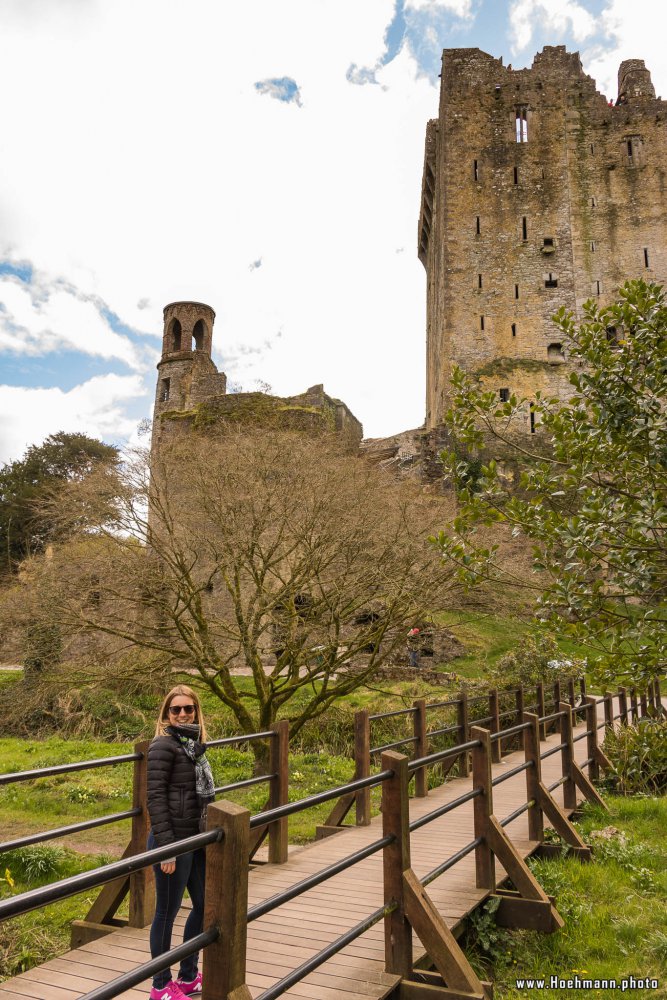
{"points": [[232, 831]]}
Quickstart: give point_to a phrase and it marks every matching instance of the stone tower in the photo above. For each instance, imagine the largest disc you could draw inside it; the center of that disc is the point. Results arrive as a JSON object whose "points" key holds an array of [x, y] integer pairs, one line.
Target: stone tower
{"points": [[537, 193]]}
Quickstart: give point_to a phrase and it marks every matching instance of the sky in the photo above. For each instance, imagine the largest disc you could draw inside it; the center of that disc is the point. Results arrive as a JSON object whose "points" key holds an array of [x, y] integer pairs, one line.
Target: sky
{"points": [[264, 158]]}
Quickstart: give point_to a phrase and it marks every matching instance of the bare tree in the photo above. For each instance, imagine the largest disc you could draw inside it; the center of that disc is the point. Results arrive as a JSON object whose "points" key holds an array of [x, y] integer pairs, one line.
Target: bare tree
{"points": [[277, 553]]}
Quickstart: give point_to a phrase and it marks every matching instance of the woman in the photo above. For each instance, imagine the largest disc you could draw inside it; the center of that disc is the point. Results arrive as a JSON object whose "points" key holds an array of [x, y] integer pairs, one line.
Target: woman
{"points": [[180, 786]]}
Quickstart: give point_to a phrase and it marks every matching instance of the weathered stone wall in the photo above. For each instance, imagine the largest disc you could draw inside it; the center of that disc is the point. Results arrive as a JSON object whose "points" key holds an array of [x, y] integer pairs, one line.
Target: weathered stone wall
{"points": [[192, 393], [536, 194]]}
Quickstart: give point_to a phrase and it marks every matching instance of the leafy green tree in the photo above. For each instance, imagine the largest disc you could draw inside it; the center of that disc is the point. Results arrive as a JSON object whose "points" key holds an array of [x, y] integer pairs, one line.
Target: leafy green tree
{"points": [[595, 501], [25, 525]]}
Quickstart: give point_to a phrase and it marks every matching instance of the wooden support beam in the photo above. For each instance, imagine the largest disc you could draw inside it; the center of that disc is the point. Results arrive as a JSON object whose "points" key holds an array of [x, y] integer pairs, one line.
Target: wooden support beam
{"points": [[338, 813], [623, 705], [520, 704], [142, 883], [608, 710], [483, 807], [634, 706], [571, 693], [463, 733], [226, 903], [533, 777], [541, 709], [494, 725], [395, 862], [561, 823], [279, 790], [432, 978], [84, 931], [525, 914], [591, 718], [439, 942], [409, 990], [421, 746], [567, 755], [362, 764], [585, 786], [517, 869]]}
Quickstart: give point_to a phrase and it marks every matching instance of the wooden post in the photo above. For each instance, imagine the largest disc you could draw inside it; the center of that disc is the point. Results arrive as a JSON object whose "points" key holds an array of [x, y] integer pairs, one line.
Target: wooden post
{"points": [[520, 703], [623, 705], [557, 701], [592, 738], [571, 693], [634, 706], [421, 746], [279, 790], [494, 725], [464, 732], [483, 807], [362, 764], [541, 709], [643, 703], [396, 861], [531, 745], [567, 755], [582, 687], [658, 697], [142, 885], [608, 710], [226, 902]]}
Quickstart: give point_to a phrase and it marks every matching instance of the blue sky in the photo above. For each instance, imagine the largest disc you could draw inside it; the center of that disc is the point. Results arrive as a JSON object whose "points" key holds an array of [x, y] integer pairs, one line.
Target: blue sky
{"points": [[265, 158]]}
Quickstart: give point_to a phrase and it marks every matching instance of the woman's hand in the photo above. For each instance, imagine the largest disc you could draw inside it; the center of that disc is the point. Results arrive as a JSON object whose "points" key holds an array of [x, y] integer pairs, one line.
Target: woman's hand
{"points": [[168, 867]]}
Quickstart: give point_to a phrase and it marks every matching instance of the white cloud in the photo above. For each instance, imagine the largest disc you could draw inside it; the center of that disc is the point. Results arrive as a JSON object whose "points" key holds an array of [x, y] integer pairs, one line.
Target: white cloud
{"points": [[557, 16], [462, 8], [42, 317], [97, 408]]}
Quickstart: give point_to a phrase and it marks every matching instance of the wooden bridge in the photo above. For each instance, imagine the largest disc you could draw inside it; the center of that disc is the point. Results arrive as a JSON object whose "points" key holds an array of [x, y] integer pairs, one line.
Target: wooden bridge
{"points": [[372, 911]]}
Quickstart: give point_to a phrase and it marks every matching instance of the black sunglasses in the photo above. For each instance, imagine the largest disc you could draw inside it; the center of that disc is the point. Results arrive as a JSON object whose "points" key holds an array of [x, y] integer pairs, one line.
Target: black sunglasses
{"points": [[177, 709]]}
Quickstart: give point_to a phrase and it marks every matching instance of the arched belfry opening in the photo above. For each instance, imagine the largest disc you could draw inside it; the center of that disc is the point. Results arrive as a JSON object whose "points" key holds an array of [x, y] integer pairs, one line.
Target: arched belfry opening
{"points": [[175, 334], [198, 335]]}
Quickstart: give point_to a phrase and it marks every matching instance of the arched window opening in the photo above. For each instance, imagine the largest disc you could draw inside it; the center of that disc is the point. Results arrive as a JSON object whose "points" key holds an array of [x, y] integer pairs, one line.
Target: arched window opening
{"points": [[198, 335], [175, 332], [164, 390], [555, 354]]}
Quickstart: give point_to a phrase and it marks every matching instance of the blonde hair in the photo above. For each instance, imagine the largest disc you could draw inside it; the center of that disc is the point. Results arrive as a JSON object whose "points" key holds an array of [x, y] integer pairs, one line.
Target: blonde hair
{"points": [[163, 717]]}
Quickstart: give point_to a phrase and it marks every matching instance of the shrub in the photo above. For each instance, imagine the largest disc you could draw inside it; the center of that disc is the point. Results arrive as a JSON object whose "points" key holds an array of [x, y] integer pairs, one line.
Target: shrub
{"points": [[35, 863], [639, 756], [536, 659]]}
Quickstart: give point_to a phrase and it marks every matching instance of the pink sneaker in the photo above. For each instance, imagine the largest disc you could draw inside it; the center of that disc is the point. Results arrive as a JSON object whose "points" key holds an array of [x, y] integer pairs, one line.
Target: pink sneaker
{"points": [[169, 992], [188, 989]]}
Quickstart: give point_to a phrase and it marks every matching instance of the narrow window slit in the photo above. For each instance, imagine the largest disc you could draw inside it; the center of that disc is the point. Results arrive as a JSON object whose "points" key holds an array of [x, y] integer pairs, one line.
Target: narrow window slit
{"points": [[516, 291], [504, 395], [524, 228], [514, 329], [516, 175], [475, 170], [479, 280], [646, 264], [477, 225], [481, 322]]}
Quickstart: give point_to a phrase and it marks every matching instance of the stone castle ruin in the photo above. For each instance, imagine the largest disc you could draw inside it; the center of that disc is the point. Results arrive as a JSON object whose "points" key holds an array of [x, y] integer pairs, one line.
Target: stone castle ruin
{"points": [[537, 193], [192, 392]]}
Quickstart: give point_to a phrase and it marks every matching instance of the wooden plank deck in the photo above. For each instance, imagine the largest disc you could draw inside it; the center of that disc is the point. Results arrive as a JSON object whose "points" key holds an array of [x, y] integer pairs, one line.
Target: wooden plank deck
{"points": [[280, 941]]}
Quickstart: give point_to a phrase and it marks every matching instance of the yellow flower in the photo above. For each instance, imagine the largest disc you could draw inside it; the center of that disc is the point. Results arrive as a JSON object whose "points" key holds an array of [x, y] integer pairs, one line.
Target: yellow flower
{"points": [[8, 878]]}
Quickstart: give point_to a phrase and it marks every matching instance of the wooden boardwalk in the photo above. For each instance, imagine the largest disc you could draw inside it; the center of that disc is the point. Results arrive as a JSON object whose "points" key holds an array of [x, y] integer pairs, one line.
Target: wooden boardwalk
{"points": [[281, 940]]}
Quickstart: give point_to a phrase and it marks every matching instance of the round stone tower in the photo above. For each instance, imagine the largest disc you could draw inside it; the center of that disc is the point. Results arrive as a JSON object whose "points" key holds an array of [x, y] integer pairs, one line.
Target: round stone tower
{"points": [[186, 356], [634, 81]]}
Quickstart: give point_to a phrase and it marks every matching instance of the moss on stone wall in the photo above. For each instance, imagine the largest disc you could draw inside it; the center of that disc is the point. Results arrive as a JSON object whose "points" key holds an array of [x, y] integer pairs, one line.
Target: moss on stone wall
{"points": [[503, 366]]}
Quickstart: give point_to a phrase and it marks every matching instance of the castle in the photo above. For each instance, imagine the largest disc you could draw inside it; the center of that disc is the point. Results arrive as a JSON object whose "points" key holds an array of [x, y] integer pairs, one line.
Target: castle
{"points": [[537, 193], [191, 391]]}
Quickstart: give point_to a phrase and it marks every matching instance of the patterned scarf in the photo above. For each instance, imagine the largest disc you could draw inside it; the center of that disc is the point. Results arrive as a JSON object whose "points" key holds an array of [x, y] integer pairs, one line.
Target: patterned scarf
{"points": [[188, 737]]}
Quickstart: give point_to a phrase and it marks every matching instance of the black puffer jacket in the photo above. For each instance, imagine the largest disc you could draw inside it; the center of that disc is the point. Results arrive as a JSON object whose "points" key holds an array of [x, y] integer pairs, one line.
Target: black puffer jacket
{"points": [[172, 794]]}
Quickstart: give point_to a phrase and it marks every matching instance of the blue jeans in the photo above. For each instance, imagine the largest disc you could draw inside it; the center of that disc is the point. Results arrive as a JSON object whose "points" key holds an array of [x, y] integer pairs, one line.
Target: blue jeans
{"points": [[169, 889]]}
